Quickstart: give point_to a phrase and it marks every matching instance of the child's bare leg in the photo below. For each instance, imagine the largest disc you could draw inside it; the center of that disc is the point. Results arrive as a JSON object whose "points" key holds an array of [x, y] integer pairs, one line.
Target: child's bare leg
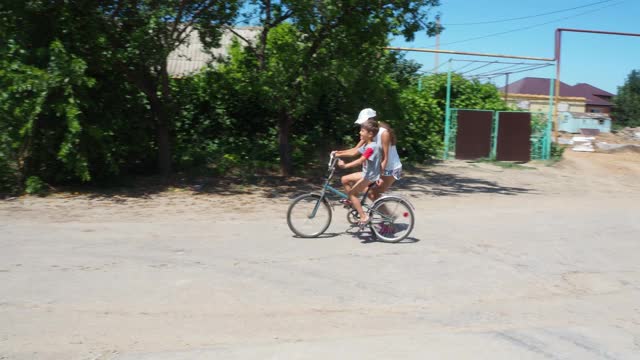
{"points": [[376, 192], [355, 201], [347, 180]]}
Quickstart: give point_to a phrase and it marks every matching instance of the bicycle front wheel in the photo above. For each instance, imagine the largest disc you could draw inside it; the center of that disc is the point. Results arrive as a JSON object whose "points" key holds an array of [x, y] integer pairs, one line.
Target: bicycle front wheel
{"points": [[392, 219], [301, 219]]}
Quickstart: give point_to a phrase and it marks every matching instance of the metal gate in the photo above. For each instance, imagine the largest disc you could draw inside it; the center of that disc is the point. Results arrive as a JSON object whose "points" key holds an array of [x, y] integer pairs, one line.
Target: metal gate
{"points": [[502, 135], [473, 136], [513, 140]]}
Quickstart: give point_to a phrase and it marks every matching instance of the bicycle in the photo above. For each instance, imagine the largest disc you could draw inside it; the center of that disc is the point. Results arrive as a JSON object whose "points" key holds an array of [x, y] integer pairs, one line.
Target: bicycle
{"points": [[309, 215]]}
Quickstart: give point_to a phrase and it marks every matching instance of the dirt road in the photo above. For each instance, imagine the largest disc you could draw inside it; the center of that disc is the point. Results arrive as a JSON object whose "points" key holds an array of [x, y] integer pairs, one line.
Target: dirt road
{"points": [[531, 262]]}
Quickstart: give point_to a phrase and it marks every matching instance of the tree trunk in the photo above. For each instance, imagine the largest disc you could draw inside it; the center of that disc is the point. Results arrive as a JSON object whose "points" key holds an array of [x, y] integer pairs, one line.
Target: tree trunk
{"points": [[162, 136], [284, 124], [164, 118], [164, 146]]}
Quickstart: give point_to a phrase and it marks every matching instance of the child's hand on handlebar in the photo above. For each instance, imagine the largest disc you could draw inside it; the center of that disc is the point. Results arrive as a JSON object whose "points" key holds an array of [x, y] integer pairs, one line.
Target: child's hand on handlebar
{"points": [[341, 164]]}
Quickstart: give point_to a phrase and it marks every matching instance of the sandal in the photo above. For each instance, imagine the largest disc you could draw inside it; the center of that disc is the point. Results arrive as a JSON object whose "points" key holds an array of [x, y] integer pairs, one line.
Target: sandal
{"points": [[363, 223], [345, 202]]}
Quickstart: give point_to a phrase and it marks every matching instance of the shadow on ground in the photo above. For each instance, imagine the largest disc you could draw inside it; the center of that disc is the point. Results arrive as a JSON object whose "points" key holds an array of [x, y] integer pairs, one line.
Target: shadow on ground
{"points": [[427, 180], [440, 183]]}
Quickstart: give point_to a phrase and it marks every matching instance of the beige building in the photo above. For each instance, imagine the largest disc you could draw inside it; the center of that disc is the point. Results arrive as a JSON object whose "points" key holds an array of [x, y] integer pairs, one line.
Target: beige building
{"points": [[191, 57], [540, 103]]}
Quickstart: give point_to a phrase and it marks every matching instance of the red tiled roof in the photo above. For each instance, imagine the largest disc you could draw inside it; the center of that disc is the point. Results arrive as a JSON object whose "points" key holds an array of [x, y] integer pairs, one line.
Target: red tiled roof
{"points": [[540, 86]]}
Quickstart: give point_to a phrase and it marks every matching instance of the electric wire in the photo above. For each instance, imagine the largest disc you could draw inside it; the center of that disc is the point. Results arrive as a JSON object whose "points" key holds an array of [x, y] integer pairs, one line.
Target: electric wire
{"points": [[527, 17], [530, 27]]}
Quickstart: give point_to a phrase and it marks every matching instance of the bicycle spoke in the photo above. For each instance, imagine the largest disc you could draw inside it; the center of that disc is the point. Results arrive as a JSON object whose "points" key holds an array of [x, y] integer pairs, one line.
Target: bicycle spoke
{"points": [[392, 220], [300, 220]]}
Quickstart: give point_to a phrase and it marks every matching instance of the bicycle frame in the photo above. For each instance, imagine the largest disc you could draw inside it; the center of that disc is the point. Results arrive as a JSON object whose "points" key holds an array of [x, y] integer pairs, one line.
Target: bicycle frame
{"points": [[331, 189]]}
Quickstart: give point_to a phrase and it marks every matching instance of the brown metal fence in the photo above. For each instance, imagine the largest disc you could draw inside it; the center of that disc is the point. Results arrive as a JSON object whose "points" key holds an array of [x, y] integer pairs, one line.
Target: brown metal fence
{"points": [[514, 136], [501, 135], [473, 135]]}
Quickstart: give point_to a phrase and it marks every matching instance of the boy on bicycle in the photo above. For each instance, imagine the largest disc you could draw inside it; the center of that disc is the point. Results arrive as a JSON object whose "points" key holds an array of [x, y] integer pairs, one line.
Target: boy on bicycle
{"points": [[370, 159]]}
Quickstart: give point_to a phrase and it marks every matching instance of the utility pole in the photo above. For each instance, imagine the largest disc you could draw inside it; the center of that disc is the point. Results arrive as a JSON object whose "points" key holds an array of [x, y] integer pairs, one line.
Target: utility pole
{"points": [[437, 60], [506, 87]]}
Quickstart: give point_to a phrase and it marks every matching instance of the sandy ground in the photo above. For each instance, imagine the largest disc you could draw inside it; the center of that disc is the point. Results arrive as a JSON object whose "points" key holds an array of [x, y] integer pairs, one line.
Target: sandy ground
{"points": [[531, 262]]}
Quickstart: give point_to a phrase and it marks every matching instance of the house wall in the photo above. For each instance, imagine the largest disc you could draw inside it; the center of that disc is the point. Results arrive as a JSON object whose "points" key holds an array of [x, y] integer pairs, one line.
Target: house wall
{"points": [[568, 123], [540, 103], [598, 109]]}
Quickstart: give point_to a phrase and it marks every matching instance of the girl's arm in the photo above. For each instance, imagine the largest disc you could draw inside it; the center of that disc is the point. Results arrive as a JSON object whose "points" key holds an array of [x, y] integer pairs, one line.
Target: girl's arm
{"points": [[386, 142], [350, 152]]}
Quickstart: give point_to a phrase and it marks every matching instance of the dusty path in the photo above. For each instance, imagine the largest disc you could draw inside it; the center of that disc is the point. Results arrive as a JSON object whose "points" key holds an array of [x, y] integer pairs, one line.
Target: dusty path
{"points": [[537, 263]]}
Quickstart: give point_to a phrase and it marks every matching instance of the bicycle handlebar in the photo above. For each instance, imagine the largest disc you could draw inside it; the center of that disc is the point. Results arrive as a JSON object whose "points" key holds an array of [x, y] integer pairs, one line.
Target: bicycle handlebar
{"points": [[333, 160]]}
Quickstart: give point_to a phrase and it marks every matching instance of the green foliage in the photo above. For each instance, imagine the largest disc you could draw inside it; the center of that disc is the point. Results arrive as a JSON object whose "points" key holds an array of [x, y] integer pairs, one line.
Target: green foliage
{"points": [[539, 123], [41, 112], [556, 151], [35, 186], [627, 103], [86, 94], [83, 83], [306, 49]]}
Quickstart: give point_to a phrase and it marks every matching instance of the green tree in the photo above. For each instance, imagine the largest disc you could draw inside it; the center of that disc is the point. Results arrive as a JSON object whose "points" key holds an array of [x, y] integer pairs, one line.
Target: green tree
{"points": [[307, 45], [626, 109], [140, 35], [84, 82], [41, 105]]}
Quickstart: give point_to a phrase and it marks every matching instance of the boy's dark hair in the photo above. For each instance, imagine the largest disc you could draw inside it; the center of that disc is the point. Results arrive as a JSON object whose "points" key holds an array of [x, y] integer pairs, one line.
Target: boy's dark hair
{"points": [[392, 134], [371, 126]]}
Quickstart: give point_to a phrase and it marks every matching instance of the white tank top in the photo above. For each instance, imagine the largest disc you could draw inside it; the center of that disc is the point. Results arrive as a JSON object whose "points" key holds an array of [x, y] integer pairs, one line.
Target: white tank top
{"points": [[394, 160]]}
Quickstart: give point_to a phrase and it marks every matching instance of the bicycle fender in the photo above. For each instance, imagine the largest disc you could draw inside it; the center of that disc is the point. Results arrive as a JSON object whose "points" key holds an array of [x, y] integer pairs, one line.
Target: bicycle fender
{"points": [[393, 197]]}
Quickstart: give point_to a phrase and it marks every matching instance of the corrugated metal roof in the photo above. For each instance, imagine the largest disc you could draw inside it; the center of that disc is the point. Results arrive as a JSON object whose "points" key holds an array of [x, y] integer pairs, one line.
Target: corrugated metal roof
{"points": [[540, 86], [192, 57], [537, 86]]}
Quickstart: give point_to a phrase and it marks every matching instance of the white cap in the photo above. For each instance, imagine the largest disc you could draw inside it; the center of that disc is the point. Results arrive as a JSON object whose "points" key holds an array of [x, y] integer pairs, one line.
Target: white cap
{"points": [[365, 115]]}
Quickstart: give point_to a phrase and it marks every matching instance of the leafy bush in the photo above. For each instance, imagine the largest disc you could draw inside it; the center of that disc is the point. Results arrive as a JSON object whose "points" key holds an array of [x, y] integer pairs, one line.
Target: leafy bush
{"points": [[556, 151], [35, 186]]}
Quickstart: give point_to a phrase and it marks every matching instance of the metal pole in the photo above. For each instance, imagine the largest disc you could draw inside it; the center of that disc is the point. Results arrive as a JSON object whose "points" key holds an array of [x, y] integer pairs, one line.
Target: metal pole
{"points": [[506, 88], [547, 130], [599, 32], [436, 59], [494, 144], [557, 84], [447, 115]]}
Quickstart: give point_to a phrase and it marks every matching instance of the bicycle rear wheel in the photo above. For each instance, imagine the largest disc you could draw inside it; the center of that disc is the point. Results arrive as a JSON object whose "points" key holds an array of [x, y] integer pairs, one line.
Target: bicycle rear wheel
{"points": [[392, 219], [300, 219]]}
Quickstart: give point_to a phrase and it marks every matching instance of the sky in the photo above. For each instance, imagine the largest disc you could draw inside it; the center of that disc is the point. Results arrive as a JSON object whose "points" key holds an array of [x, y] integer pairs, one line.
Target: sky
{"points": [[603, 61]]}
